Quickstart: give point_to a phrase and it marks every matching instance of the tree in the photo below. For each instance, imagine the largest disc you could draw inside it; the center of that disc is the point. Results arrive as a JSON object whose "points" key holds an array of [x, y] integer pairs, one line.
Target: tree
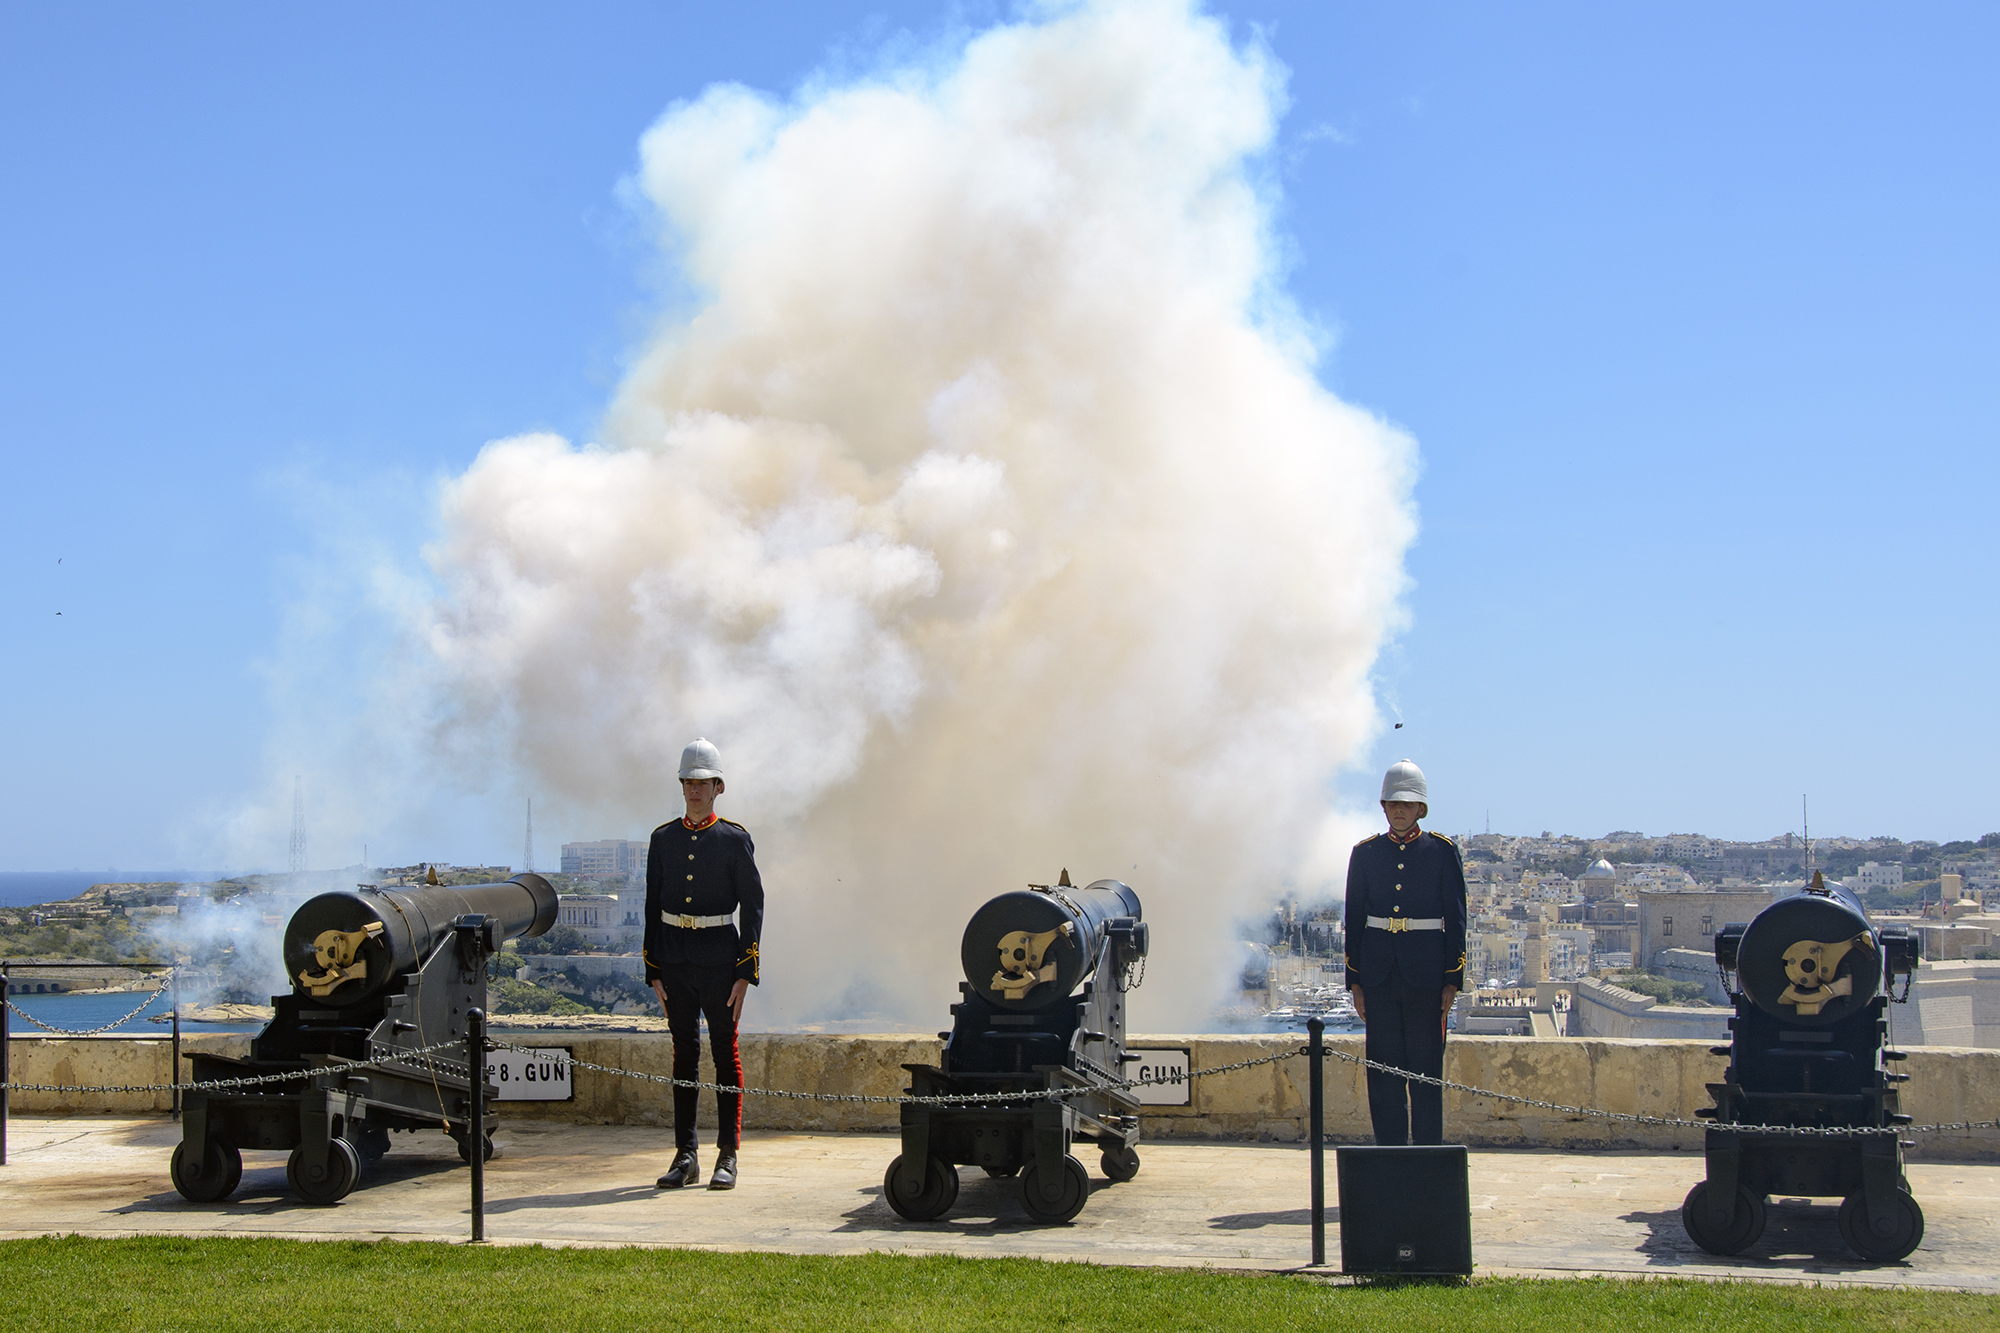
{"points": [[562, 939]]}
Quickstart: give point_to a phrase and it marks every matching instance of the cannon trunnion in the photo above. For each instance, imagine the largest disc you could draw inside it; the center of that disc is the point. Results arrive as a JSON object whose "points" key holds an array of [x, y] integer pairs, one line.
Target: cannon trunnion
{"points": [[377, 975], [1808, 1052], [1023, 1026]]}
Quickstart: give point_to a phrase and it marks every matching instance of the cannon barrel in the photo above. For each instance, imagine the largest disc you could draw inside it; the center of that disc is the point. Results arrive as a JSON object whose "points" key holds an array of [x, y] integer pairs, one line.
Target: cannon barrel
{"points": [[1814, 958], [1031, 947], [342, 948]]}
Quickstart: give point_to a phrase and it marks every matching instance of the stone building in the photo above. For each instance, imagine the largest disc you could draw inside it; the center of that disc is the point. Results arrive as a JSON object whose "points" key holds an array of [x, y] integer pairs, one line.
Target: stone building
{"points": [[1874, 877], [601, 918], [606, 856], [1599, 881], [1689, 918]]}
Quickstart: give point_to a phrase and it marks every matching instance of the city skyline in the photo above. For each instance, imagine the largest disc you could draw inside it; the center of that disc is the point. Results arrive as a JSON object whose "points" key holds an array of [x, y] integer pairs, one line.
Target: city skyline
{"points": [[1613, 838]]}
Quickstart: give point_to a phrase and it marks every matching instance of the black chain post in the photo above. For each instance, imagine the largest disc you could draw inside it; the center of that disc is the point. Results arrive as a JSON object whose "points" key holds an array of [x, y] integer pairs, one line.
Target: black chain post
{"points": [[1316, 1126], [475, 1068], [6, 1069], [175, 1075]]}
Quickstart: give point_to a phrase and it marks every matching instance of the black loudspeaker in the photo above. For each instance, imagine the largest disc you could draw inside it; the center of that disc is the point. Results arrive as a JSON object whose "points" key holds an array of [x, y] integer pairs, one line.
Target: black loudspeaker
{"points": [[1404, 1210]]}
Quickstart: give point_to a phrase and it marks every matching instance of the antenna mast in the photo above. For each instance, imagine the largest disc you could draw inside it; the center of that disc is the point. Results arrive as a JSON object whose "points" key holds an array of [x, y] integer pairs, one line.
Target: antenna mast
{"points": [[1805, 826], [528, 849], [298, 860]]}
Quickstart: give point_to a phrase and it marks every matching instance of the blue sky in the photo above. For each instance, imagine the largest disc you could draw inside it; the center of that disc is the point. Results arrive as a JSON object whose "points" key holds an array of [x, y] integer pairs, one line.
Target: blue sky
{"points": [[1689, 308]]}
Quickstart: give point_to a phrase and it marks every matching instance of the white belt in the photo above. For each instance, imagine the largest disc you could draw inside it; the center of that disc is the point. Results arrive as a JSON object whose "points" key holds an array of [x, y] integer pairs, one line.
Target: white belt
{"points": [[1398, 924], [697, 922]]}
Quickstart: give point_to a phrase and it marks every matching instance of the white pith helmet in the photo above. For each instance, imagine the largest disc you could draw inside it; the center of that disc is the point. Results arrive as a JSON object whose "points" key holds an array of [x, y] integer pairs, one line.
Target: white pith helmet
{"points": [[703, 760], [1405, 782]]}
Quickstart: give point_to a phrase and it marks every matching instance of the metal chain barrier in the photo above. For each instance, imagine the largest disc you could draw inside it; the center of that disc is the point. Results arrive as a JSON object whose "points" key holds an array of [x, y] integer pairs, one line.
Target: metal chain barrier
{"points": [[958, 1099], [166, 979], [421, 1057], [417, 1056], [1671, 1122]]}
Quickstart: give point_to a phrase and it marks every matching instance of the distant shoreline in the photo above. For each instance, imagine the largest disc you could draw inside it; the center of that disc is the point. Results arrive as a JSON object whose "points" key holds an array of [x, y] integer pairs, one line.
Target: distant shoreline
{"points": [[33, 888]]}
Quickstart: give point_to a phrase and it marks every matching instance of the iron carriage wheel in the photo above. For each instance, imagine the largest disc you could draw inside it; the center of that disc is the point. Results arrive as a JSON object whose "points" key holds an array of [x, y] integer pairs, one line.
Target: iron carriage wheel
{"points": [[1073, 1193], [1120, 1164], [464, 1142], [221, 1171], [939, 1192], [330, 1184], [370, 1141], [1883, 1240], [1737, 1235]]}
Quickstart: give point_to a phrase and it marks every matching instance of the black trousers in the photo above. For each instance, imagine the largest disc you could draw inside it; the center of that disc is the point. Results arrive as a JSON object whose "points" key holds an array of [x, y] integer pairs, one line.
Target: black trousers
{"points": [[1405, 1029], [695, 993]]}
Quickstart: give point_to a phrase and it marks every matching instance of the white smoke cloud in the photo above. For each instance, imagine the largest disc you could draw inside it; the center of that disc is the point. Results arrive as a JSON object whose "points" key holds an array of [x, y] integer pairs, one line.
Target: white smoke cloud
{"points": [[984, 509]]}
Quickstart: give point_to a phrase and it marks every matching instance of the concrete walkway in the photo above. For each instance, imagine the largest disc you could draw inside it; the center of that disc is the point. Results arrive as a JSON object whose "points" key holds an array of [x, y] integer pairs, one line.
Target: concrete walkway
{"points": [[1222, 1204]]}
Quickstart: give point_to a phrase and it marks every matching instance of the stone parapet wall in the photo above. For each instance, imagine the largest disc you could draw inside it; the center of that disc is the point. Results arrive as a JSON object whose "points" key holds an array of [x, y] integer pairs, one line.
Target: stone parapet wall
{"points": [[1598, 1009], [93, 1061], [1696, 966], [1954, 1003], [1268, 1103]]}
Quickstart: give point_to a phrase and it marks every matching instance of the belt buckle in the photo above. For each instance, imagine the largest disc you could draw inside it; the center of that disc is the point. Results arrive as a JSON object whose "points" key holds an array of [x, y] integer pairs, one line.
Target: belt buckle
{"points": [[1398, 925], [687, 922]]}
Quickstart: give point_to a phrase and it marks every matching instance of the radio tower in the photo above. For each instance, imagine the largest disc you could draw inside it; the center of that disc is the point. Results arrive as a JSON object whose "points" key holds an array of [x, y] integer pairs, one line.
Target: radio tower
{"points": [[298, 824], [528, 851]]}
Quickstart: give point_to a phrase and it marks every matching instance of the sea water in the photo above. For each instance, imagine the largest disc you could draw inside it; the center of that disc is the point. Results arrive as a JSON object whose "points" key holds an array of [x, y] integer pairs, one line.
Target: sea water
{"points": [[31, 888], [82, 1013]]}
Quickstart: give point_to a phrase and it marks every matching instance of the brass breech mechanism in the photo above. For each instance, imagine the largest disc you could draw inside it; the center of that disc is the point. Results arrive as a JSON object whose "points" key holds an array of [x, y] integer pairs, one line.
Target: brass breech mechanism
{"points": [[334, 951]]}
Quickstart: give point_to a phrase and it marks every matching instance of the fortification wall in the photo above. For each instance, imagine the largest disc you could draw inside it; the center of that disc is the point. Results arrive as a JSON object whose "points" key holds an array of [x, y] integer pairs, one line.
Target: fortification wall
{"points": [[1598, 1009], [1659, 1078]]}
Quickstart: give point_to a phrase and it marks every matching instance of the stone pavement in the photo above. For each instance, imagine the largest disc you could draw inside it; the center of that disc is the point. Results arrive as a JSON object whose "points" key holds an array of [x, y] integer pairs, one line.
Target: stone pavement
{"points": [[1229, 1205]]}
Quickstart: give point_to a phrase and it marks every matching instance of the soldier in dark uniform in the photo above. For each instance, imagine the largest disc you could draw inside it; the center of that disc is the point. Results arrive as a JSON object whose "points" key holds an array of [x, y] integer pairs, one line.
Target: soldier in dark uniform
{"points": [[704, 916], [1405, 956]]}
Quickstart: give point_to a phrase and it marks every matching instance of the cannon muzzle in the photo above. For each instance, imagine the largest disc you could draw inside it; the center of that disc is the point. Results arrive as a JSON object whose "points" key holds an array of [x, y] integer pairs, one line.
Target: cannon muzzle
{"points": [[1814, 958], [1029, 948]]}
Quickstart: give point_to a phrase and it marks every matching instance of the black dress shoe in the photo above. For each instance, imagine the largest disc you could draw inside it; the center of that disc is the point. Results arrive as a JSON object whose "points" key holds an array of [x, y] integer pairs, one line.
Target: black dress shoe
{"points": [[724, 1175], [686, 1170]]}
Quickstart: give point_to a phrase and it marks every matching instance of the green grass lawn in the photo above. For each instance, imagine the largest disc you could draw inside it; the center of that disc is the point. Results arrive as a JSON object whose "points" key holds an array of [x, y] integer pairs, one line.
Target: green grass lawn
{"points": [[76, 1283]]}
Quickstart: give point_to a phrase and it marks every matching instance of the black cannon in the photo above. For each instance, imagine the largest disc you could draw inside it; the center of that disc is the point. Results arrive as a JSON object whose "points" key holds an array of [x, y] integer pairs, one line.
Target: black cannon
{"points": [[1809, 1052], [376, 973], [1023, 1026]]}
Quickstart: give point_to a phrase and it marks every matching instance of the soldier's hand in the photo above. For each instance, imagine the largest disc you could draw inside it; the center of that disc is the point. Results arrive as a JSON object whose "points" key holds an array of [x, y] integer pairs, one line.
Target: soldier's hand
{"points": [[736, 994], [661, 991], [1360, 1004], [1450, 994]]}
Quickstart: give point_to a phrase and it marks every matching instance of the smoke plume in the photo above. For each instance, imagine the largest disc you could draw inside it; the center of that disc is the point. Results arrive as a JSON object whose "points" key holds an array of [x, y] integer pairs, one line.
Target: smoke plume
{"points": [[982, 507]]}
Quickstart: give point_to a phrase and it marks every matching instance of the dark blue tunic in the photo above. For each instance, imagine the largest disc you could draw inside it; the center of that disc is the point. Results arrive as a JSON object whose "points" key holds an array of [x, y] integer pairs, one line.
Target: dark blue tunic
{"points": [[712, 872], [1425, 879]]}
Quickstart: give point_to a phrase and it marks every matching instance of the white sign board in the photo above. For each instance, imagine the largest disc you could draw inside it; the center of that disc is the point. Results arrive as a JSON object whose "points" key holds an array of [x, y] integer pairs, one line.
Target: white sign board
{"points": [[1162, 1072], [541, 1075]]}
